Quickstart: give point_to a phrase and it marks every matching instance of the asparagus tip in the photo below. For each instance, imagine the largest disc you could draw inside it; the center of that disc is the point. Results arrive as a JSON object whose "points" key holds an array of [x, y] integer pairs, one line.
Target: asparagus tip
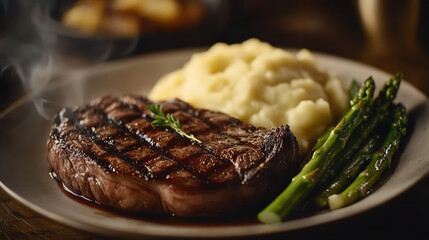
{"points": [[269, 217], [335, 201]]}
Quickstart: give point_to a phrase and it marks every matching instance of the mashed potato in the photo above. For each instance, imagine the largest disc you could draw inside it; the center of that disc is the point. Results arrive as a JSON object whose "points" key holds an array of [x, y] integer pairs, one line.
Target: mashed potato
{"points": [[262, 85]]}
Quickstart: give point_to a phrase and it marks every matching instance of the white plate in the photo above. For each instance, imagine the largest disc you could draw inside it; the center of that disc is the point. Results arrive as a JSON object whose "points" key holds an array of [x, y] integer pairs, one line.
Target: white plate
{"points": [[24, 170]]}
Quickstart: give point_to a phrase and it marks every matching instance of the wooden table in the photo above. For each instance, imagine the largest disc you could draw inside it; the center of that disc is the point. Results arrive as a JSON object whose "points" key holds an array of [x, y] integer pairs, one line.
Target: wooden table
{"points": [[19, 222]]}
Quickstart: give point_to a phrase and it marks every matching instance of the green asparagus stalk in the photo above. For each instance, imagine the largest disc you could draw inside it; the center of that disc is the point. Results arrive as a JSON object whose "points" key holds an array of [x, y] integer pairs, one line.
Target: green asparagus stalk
{"points": [[294, 196], [321, 139], [387, 93], [378, 113], [350, 171], [353, 93], [379, 163]]}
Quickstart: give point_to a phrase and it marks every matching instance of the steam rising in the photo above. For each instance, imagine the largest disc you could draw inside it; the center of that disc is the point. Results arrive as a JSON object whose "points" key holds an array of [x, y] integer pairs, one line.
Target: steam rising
{"points": [[44, 78], [40, 71], [31, 48]]}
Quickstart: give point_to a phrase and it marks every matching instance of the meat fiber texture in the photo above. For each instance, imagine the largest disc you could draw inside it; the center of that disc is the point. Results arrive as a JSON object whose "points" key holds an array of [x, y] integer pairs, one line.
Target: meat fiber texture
{"points": [[109, 152]]}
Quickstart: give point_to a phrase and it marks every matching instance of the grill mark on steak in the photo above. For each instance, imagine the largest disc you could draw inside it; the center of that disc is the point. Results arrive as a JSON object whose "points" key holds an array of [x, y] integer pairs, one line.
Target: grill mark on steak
{"points": [[226, 149], [59, 138], [115, 147], [186, 108], [145, 140], [107, 144], [88, 135], [226, 144], [173, 147]]}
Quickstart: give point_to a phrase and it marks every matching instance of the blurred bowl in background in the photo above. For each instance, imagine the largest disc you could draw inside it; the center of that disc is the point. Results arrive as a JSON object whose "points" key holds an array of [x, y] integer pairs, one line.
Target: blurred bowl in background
{"points": [[48, 15]]}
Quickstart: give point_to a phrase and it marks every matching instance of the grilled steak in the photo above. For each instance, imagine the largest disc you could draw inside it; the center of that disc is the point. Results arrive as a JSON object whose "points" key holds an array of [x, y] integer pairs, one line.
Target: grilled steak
{"points": [[110, 153]]}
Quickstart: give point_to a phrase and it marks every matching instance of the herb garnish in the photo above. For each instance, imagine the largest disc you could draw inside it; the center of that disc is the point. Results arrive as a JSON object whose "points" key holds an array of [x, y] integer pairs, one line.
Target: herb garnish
{"points": [[163, 120]]}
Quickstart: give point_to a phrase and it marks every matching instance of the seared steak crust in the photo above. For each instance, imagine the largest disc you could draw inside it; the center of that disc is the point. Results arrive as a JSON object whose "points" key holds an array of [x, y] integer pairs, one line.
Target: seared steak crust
{"points": [[110, 153]]}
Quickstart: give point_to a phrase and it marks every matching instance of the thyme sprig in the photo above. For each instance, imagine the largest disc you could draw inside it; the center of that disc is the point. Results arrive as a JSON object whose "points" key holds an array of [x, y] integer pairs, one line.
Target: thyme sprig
{"points": [[168, 120]]}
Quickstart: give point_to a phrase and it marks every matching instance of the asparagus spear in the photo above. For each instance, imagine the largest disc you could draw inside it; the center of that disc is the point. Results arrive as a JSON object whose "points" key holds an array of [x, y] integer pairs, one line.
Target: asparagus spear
{"points": [[354, 89], [294, 196], [379, 163], [378, 113], [353, 93], [350, 171]]}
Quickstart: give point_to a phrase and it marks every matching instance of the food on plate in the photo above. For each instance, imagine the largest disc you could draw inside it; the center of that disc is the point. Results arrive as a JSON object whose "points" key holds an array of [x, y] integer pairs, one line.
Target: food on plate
{"points": [[261, 85], [125, 18], [380, 161], [214, 139], [367, 132], [113, 153], [365, 118]]}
